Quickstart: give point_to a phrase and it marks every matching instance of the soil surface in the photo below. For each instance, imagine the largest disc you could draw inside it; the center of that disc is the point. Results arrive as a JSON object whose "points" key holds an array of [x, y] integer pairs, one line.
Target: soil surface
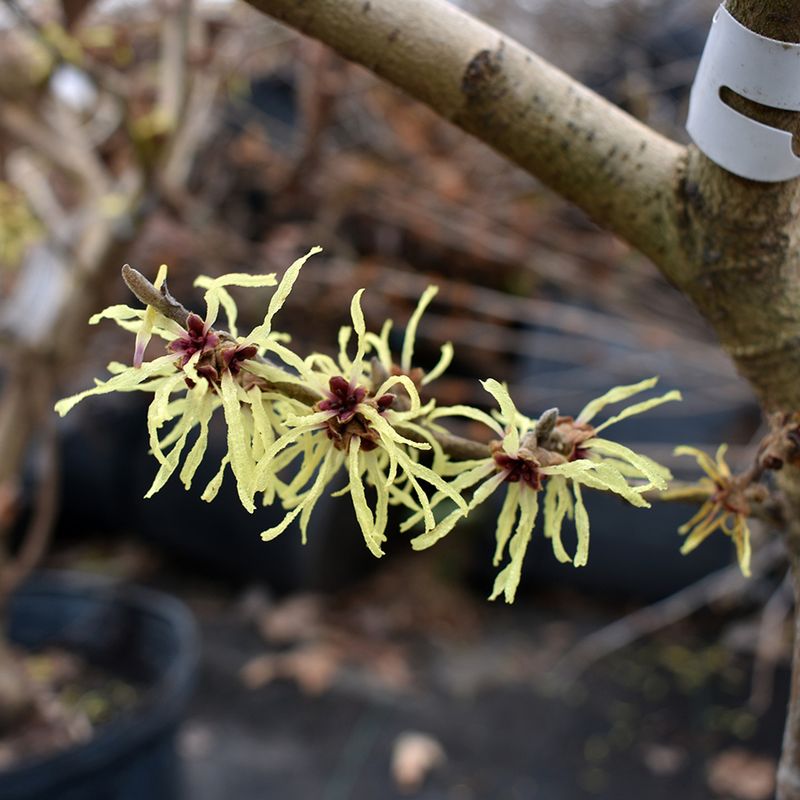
{"points": [[313, 697], [70, 699]]}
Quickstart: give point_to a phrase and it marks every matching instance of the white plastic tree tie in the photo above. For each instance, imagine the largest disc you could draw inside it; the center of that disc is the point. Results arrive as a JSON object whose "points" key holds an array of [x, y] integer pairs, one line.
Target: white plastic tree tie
{"points": [[757, 68]]}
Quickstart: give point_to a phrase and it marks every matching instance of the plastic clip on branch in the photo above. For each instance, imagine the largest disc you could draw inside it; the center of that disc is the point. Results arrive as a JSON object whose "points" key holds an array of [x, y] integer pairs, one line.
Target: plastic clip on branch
{"points": [[757, 68]]}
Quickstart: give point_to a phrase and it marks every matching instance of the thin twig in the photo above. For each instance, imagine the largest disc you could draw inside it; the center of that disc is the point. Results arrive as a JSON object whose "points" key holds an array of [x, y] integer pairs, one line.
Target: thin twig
{"points": [[770, 645], [103, 77], [190, 135], [648, 620], [31, 132], [26, 173], [36, 539], [173, 64]]}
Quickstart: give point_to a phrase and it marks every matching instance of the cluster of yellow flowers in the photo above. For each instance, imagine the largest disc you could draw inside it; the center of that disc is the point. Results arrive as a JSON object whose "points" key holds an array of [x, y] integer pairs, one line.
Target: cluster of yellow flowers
{"points": [[295, 425], [559, 459]]}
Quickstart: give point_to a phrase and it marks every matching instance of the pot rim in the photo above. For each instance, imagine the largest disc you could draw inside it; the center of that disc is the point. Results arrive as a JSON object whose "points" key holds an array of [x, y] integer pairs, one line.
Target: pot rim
{"points": [[162, 701]]}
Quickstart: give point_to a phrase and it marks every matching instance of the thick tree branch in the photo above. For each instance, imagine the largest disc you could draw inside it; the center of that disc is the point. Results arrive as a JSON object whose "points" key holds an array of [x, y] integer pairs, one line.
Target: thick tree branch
{"points": [[730, 244], [616, 169], [739, 258], [741, 265]]}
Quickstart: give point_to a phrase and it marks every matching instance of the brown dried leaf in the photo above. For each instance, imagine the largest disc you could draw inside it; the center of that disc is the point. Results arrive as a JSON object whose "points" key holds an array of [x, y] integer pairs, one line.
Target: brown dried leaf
{"points": [[742, 775], [414, 755], [296, 619], [314, 667], [259, 671]]}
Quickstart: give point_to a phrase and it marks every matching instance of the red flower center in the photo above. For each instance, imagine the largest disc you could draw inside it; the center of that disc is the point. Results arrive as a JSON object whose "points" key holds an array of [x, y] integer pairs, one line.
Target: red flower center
{"points": [[232, 357], [518, 470], [343, 398], [195, 339]]}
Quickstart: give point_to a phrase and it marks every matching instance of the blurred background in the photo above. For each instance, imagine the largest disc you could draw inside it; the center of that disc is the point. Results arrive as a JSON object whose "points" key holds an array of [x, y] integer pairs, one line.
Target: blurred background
{"points": [[206, 136]]}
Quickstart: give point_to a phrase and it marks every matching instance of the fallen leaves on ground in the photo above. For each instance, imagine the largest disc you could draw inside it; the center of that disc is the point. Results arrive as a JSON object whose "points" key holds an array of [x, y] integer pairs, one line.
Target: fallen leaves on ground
{"points": [[369, 630], [414, 756], [743, 775]]}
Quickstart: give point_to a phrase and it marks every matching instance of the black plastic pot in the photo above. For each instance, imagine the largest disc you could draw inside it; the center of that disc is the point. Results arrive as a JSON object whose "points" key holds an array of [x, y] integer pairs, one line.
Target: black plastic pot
{"points": [[140, 635]]}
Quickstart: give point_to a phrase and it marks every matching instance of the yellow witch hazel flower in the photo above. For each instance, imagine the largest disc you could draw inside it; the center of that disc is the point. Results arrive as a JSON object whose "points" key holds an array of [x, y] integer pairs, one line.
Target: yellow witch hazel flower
{"points": [[726, 509], [383, 364], [382, 349], [295, 425], [558, 455], [201, 373], [365, 423], [364, 419]]}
